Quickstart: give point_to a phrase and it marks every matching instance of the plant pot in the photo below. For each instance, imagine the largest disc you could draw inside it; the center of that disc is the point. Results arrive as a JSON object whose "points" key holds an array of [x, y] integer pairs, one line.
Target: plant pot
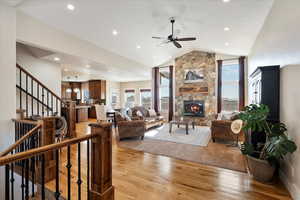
{"points": [[261, 170]]}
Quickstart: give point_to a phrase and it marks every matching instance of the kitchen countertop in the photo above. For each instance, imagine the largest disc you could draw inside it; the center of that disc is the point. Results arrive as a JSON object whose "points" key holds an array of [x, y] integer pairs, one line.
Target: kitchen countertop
{"points": [[82, 107]]}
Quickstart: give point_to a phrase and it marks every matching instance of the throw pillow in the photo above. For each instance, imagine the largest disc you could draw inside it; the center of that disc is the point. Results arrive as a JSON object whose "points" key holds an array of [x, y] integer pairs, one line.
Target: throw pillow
{"points": [[139, 113], [226, 115], [152, 113]]}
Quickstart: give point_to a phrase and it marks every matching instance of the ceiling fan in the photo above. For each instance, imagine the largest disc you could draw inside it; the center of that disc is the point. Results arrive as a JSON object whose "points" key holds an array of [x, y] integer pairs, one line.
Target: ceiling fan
{"points": [[173, 39]]}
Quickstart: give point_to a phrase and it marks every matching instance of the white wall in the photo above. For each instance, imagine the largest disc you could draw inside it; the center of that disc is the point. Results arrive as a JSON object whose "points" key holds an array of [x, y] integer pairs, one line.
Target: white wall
{"points": [[136, 85], [8, 73], [7, 80], [279, 44]]}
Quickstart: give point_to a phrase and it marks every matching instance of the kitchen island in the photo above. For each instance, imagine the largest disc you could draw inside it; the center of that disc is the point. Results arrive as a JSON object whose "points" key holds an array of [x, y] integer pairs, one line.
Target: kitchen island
{"points": [[82, 113]]}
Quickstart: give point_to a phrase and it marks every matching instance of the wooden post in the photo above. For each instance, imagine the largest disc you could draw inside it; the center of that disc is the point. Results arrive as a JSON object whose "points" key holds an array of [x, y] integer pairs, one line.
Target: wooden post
{"points": [[101, 165], [47, 136], [69, 112]]}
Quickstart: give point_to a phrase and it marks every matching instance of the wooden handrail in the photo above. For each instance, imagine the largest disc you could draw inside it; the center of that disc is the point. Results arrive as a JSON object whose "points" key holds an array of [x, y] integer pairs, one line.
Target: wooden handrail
{"points": [[25, 121], [40, 83], [22, 139], [37, 151]]}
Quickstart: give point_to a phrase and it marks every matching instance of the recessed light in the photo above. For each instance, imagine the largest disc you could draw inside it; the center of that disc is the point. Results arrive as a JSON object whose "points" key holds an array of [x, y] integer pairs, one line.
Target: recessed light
{"points": [[71, 7], [56, 58], [226, 1], [138, 47], [226, 29], [66, 70], [88, 66], [115, 32], [227, 44]]}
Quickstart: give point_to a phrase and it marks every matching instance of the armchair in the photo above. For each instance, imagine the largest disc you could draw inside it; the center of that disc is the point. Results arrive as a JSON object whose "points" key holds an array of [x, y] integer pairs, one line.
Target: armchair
{"points": [[221, 129]]}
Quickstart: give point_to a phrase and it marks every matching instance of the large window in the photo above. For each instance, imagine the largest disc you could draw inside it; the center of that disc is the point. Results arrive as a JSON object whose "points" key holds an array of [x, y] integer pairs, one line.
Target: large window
{"points": [[129, 98], [145, 98], [230, 85]]}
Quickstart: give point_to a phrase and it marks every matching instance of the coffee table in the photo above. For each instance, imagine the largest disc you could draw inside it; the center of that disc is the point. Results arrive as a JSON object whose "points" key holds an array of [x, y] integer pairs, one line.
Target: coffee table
{"points": [[184, 122]]}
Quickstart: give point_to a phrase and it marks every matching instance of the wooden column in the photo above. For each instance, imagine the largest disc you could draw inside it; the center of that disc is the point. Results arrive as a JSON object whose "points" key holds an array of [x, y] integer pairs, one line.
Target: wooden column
{"points": [[171, 96], [219, 96], [69, 112], [101, 165], [155, 79], [242, 83], [47, 136]]}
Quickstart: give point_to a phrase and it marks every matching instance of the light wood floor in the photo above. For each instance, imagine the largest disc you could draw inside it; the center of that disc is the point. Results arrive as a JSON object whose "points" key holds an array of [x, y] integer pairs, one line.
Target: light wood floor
{"points": [[144, 176]]}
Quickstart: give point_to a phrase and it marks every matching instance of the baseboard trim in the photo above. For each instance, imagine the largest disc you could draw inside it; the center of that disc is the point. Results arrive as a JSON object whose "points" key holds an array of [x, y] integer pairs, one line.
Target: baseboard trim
{"points": [[292, 188]]}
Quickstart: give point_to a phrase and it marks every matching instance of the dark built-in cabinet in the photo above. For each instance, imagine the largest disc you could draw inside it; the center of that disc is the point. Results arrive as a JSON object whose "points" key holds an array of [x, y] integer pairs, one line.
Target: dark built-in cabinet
{"points": [[264, 88]]}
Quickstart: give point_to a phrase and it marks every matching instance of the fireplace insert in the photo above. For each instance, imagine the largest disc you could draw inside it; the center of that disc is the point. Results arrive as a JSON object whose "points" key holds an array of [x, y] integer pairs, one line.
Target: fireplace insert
{"points": [[193, 108]]}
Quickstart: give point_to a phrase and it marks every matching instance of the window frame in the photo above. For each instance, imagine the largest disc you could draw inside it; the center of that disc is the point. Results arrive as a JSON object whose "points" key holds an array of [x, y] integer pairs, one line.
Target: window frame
{"points": [[140, 96], [125, 98], [241, 82]]}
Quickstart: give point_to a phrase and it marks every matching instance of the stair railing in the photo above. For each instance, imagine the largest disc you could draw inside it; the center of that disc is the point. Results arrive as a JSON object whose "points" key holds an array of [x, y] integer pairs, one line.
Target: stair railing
{"points": [[98, 177], [34, 96]]}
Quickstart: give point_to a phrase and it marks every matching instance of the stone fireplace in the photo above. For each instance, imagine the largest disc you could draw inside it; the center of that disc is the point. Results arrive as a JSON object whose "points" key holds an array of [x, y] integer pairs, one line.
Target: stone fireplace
{"points": [[201, 91]]}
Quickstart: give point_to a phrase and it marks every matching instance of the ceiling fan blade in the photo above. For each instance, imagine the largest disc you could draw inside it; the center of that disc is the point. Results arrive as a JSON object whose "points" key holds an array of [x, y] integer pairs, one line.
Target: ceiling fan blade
{"points": [[185, 39], [158, 38], [177, 44], [164, 42]]}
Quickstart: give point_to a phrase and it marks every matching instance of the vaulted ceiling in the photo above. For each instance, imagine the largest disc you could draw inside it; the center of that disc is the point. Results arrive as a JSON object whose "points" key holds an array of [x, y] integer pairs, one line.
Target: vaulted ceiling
{"points": [[136, 21]]}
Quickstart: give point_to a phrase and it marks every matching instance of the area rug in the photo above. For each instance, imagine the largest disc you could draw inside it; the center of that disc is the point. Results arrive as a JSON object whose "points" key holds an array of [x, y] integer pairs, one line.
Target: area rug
{"points": [[214, 154], [199, 136]]}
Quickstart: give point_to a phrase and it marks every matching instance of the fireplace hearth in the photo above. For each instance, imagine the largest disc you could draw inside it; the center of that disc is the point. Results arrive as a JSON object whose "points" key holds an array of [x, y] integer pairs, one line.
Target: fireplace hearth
{"points": [[193, 108]]}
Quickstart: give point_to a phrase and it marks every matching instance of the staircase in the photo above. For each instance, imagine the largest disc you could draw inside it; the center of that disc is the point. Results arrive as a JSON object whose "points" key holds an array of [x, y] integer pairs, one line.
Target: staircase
{"points": [[34, 162]]}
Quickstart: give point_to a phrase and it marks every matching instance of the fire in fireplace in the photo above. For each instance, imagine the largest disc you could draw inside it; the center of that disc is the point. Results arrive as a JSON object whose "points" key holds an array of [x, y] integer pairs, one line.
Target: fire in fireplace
{"points": [[193, 108]]}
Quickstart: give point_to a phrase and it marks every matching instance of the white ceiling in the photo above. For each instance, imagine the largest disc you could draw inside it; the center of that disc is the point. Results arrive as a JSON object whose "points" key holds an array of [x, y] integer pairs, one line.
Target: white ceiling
{"points": [[138, 20]]}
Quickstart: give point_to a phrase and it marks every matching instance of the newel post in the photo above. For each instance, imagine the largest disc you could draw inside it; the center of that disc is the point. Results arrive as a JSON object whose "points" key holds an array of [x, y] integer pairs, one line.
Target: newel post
{"points": [[101, 165], [47, 137], [69, 112]]}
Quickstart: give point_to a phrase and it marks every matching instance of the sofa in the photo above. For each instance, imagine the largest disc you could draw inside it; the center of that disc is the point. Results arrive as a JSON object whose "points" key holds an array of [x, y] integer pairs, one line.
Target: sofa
{"points": [[150, 117], [128, 128], [221, 128]]}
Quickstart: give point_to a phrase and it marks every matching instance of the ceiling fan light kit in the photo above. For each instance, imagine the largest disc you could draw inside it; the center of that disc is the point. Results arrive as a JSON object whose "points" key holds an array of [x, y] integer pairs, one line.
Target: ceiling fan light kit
{"points": [[173, 39]]}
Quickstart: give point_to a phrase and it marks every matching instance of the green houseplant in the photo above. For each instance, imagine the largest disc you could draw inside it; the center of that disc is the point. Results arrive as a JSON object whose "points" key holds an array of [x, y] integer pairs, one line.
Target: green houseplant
{"points": [[264, 158]]}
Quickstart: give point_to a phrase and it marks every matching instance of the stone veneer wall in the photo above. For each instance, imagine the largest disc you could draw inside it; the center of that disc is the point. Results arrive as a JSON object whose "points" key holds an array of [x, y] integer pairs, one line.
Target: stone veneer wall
{"points": [[205, 90]]}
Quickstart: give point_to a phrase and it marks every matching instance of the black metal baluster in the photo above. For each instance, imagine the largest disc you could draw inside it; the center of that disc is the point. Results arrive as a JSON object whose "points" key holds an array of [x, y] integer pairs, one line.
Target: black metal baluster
{"points": [[32, 97], [38, 97], [6, 182], [56, 105], [27, 179], [69, 165], [88, 169], [27, 112], [12, 179], [20, 89], [43, 112], [47, 103], [22, 162], [33, 166], [52, 104], [79, 181], [57, 193], [43, 176]]}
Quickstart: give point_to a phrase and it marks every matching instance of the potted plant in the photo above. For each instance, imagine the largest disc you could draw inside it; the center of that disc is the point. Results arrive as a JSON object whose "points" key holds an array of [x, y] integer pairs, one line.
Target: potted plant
{"points": [[263, 159]]}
